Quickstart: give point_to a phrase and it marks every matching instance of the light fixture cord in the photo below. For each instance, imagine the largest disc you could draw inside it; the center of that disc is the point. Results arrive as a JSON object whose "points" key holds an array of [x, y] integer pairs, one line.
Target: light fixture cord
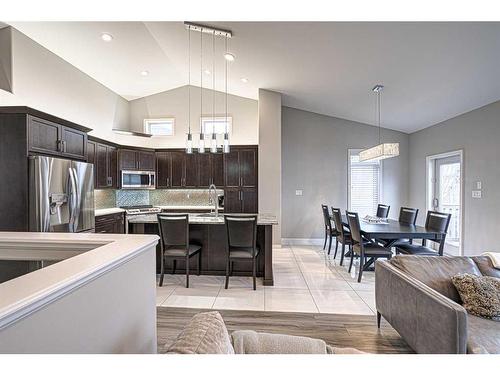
{"points": [[201, 77], [189, 80], [213, 82], [378, 105], [225, 72]]}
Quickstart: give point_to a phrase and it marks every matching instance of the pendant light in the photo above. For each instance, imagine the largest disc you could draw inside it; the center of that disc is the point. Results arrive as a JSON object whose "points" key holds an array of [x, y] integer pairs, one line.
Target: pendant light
{"points": [[213, 145], [189, 141], [201, 144], [382, 150], [225, 146]]}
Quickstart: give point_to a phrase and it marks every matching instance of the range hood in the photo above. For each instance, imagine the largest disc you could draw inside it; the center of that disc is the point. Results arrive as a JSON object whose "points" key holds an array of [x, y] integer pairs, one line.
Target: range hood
{"points": [[130, 132]]}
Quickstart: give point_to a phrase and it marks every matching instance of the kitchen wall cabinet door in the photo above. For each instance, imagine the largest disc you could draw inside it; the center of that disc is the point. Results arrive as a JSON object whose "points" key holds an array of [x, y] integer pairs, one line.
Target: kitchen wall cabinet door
{"points": [[191, 171], [128, 159], [232, 169], [102, 181], [248, 168], [74, 143], [218, 170], [146, 160], [177, 175], [205, 169], [44, 136], [105, 165], [91, 158], [163, 170], [113, 167]]}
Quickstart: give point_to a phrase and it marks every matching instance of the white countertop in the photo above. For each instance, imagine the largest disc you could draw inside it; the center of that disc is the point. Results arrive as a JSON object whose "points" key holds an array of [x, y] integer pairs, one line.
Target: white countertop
{"points": [[86, 256], [108, 211], [262, 219]]}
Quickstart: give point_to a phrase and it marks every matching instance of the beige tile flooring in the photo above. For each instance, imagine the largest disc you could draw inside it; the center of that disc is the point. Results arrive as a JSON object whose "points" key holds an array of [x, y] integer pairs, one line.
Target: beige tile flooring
{"points": [[306, 279]]}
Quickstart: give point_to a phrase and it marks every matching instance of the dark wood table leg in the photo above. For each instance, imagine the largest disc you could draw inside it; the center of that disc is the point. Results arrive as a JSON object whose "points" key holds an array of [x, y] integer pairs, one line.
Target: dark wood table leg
{"points": [[268, 256]]}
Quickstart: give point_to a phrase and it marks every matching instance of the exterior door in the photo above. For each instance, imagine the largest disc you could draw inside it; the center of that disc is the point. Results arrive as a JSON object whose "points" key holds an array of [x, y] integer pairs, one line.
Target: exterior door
{"points": [[447, 197]]}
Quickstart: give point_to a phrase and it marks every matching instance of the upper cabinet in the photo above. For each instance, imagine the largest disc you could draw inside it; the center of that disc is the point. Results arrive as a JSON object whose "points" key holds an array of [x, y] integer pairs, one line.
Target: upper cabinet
{"points": [[176, 169], [48, 137], [104, 158], [141, 160]]}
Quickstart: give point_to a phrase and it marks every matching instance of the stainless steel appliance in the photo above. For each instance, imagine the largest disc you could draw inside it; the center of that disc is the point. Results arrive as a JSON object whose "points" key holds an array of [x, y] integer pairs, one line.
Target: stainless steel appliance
{"points": [[61, 195], [138, 180]]}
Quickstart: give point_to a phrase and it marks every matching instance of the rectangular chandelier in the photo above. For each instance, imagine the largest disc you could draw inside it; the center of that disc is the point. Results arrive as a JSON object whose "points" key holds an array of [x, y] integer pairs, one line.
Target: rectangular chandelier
{"points": [[380, 152]]}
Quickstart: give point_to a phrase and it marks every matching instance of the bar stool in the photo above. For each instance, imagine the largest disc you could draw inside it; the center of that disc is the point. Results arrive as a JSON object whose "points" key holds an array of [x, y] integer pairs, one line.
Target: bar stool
{"points": [[241, 243], [174, 241]]}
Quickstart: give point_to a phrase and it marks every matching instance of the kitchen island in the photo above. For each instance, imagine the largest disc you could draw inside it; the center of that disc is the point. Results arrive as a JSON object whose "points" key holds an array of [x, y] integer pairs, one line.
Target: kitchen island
{"points": [[210, 232]]}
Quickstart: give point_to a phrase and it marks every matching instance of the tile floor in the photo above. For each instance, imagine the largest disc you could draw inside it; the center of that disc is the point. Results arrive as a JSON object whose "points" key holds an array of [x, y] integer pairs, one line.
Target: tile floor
{"points": [[306, 280]]}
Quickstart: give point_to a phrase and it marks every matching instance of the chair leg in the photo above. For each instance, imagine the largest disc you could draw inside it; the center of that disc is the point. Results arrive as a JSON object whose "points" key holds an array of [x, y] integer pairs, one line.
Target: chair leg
{"points": [[199, 263], [162, 273], [350, 263], [342, 254], [379, 316], [336, 247], [227, 272], [361, 265], [329, 243], [254, 272], [324, 245], [231, 269], [173, 269], [187, 272]]}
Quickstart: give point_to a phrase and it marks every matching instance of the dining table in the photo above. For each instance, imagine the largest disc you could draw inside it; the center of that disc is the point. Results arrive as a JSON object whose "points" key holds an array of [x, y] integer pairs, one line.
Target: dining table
{"points": [[388, 231]]}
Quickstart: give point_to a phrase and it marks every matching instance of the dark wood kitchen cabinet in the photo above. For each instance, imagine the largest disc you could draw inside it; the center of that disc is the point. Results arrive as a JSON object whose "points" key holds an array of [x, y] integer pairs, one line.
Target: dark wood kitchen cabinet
{"points": [[211, 169], [104, 158], [112, 223], [48, 137], [163, 170], [136, 160], [176, 169], [241, 176]]}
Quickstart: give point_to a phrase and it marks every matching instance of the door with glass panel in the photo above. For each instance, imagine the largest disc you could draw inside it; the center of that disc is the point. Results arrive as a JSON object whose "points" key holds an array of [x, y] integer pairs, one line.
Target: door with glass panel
{"points": [[446, 197]]}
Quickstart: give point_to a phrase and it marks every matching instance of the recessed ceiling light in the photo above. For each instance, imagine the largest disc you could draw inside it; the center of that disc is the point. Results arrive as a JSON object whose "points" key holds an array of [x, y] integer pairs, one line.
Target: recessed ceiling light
{"points": [[144, 73], [106, 37], [229, 56], [207, 72], [244, 80]]}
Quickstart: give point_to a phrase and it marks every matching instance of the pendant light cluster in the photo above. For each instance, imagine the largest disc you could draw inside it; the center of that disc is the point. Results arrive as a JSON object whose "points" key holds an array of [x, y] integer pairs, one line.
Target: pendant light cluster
{"points": [[212, 146], [382, 150]]}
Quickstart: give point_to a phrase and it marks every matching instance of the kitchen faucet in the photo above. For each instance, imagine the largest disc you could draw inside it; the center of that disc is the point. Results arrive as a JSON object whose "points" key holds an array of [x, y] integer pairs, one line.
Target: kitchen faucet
{"points": [[212, 198]]}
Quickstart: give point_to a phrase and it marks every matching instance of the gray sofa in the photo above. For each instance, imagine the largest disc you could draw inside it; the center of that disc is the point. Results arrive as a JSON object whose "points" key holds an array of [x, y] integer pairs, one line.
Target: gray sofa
{"points": [[416, 296]]}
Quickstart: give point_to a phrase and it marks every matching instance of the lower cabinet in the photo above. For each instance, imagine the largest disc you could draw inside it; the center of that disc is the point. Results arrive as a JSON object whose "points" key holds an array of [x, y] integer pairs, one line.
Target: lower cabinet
{"points": [[240, 200], [112, 223]]}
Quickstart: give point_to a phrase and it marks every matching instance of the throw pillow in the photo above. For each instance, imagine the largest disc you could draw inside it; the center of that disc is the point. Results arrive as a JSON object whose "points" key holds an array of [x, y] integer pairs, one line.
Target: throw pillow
{"points": [[480, 294]]}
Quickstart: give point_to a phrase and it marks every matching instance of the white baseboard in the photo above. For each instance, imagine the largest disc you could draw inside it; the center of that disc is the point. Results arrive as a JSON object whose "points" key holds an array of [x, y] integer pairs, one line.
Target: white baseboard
{"points": [[302, 241]]}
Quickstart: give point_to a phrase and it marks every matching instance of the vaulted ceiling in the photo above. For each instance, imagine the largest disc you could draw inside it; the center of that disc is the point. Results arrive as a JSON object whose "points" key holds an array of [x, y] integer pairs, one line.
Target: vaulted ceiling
{"points": [[431, 71]]}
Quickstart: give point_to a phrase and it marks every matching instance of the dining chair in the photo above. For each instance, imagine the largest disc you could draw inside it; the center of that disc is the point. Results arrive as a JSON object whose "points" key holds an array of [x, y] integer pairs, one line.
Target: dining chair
{"points": [[383, 211], [174, 242], [361, 248], [241, 243], [436, 222], [344, 236], [407, 216], [330, 231]]}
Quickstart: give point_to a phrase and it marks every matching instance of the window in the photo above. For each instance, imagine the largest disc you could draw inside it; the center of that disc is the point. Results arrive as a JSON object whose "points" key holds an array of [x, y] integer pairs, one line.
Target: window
{"points": [[208, 124], [364, 185], [159, 127]]}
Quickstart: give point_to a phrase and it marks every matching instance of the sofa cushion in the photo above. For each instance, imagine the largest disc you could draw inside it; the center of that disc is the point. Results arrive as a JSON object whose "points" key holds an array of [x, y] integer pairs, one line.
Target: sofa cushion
{"points": [[483, 335], [480, 294], [206, 333], [436, 272], [485, 265]]}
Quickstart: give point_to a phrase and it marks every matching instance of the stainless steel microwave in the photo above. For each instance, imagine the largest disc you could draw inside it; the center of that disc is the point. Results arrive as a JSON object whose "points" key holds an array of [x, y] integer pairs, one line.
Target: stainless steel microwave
{"points": [[138, 180]]}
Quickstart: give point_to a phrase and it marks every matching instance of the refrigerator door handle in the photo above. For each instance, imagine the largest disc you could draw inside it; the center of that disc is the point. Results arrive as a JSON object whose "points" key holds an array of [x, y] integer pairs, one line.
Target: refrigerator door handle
{"points": [[73, 200]]}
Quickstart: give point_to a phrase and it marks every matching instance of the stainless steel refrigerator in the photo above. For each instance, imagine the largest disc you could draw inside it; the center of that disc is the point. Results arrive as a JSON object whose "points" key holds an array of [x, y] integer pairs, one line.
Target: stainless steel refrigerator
{"points": [[61, 195]]}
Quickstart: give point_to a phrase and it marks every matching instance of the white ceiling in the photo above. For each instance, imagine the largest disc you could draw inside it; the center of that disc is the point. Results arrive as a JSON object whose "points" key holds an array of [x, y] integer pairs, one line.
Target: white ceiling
{"points": [[431, 71]]}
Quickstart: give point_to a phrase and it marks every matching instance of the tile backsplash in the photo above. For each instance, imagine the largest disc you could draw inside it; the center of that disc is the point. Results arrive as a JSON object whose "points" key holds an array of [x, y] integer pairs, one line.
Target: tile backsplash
{"points": [[158, 197]]}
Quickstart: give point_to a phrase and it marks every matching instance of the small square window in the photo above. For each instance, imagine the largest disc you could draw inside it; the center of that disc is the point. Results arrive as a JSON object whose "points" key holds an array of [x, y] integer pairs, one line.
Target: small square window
{"points": [[210, 124], [159, 127]]}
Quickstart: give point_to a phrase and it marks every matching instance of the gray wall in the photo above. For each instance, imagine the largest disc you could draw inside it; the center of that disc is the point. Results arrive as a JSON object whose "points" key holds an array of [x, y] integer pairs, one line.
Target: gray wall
{"points": [[314, 155], [477, 133]]}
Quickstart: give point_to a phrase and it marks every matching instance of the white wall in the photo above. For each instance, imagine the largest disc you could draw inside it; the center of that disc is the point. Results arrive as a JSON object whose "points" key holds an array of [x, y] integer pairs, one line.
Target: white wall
{"points": [[174, 103], [48, 83], [314, 159], [270, 157], [477, 133]]}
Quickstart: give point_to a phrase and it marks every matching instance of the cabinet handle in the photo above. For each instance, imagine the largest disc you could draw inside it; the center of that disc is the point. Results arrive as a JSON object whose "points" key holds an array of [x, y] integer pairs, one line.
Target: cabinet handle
{"points": [[168, 180], [241, 196], [59, 146], [64, 146], [241, 181]]}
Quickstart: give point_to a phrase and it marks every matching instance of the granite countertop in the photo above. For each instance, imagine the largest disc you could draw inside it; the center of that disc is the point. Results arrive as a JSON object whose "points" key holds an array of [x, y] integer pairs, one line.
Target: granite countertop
{"points": [[207, 207], [108, 211], [263, 219]]}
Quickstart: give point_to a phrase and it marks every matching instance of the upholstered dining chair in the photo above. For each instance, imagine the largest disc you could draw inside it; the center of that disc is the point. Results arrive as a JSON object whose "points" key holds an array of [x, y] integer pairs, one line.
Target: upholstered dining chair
{"points": [[330, 231], [344, 236], [383, 211], [174, 242]]}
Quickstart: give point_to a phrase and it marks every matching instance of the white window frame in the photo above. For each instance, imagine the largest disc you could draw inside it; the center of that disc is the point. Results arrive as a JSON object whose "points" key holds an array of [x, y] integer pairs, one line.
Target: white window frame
{"points": [[204, 119], [149, 121], [353, 151]]}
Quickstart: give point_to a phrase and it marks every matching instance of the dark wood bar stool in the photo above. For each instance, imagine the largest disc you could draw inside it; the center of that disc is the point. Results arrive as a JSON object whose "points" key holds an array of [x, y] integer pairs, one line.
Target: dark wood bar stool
{"points": [[241, 243], [435, 221], [174, 242], [330, 231], [383, 211], [364, 249], [344, 236]]}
